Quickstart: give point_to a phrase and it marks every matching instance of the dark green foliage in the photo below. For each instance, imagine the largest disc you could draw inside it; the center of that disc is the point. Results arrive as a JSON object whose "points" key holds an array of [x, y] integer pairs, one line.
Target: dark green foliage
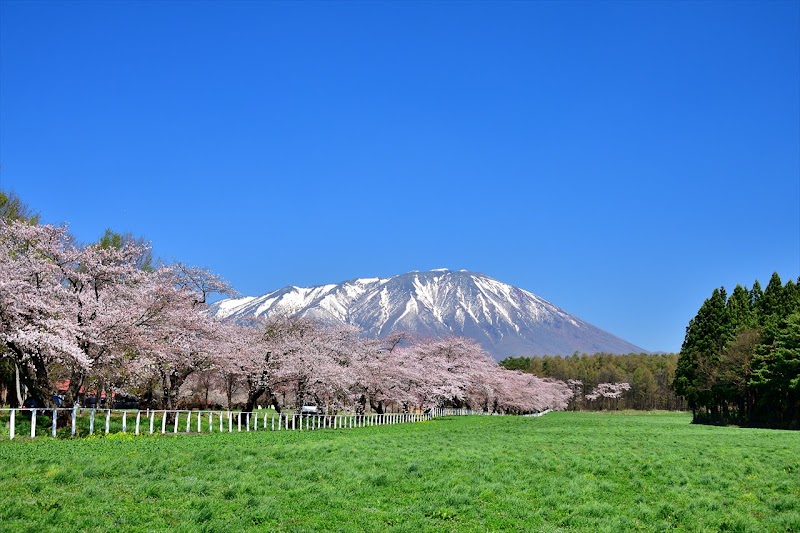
{"points": [[650, 377], [740, 357], [775, 378]]}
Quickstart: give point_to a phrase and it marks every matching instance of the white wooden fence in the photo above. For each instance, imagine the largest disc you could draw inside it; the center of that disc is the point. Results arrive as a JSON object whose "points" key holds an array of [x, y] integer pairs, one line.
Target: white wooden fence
{"points": [[176, 421]]}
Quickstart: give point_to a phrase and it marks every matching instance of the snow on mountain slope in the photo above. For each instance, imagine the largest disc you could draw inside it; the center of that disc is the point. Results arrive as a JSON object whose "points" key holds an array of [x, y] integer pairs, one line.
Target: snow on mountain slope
{"points": [[505, 320]]}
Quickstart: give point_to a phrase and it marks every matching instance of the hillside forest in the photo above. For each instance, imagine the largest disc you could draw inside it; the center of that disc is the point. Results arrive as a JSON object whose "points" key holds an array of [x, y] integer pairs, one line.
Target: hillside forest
{"points": [[649, 377]]}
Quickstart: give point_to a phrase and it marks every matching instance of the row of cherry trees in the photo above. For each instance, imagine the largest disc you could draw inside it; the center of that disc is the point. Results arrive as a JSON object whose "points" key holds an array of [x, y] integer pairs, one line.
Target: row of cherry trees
{"points": [[102, 316], [336, 367]]}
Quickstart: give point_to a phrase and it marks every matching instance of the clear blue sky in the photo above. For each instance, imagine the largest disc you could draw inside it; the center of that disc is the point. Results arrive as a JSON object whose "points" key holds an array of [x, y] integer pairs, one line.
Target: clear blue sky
{"points": [[618, 159]]}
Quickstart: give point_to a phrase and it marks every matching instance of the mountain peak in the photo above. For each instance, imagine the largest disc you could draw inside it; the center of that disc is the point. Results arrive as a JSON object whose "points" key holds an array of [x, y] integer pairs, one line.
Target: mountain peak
{"points": [[505, 320]]}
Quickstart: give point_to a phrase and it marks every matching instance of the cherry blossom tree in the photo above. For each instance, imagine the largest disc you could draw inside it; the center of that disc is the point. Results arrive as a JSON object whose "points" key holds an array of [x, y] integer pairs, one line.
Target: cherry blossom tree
{"points": [[443, 370], [318, 365], [608, 391], [69, 311], [102, 282], [174, 335], [380, 373], [256, 352], [37, 326]]}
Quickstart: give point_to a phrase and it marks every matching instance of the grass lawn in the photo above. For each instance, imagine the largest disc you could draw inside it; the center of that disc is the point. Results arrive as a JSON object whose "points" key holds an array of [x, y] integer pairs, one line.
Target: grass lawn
{"points": [[561, 472]]}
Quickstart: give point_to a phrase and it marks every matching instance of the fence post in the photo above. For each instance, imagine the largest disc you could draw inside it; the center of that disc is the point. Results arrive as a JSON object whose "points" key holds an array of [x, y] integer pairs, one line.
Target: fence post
{"points": [[239, 421], [230, 422], [188, 421], [211, 421], [11, 423], [138, 419], [151, 421], [91, 421], [124, 421], [246, 420], [163, 422], [221, 426], [74, 419], [108, 420], [199, 421], [175, 425], [53, 429]]}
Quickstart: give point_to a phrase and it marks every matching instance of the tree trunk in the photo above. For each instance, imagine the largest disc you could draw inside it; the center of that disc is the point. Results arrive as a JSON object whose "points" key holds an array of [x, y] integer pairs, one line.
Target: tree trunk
{"points": [[274, 401], [300, 396], [361, 405], [377, 407], [19, 392], [253, 395], [76, 380]]}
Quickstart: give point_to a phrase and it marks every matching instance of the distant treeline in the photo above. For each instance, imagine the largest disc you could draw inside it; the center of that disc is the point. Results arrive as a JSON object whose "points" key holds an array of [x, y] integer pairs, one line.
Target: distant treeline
{"points": [[740, 360], [649, 375]]}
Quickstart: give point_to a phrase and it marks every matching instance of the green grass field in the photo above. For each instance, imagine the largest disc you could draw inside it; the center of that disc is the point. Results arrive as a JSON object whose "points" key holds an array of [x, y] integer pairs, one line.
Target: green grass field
{"points": [[561, 472]]}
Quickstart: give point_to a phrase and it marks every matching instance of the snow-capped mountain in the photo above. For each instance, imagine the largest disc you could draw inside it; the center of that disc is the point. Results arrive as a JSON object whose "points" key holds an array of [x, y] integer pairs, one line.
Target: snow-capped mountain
{"points": [[505, 320]]}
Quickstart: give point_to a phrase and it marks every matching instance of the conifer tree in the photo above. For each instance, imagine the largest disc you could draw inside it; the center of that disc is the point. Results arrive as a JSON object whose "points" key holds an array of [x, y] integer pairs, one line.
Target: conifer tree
{"points": [[776, 375], [706, 337], [740, 310]]}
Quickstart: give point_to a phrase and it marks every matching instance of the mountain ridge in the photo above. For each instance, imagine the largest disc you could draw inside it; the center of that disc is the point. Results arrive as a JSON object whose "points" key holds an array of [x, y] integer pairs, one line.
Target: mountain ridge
{"points": [[506, 320]]}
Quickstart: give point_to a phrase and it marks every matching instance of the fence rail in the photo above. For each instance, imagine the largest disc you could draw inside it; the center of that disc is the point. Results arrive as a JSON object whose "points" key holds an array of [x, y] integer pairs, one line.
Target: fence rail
{"points": [[186, 421]]}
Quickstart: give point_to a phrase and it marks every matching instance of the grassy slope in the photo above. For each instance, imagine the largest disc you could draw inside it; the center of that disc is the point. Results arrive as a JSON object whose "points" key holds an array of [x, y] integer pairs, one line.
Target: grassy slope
{"points": [[567, 471]]}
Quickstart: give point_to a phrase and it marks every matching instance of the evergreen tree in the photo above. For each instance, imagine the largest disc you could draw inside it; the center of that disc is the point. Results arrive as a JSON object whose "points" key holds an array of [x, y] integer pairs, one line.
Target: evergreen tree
{"points": [[776, 376], [755, 296], [740, 360], [706, 337], [741, 313], [771, 307]]}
